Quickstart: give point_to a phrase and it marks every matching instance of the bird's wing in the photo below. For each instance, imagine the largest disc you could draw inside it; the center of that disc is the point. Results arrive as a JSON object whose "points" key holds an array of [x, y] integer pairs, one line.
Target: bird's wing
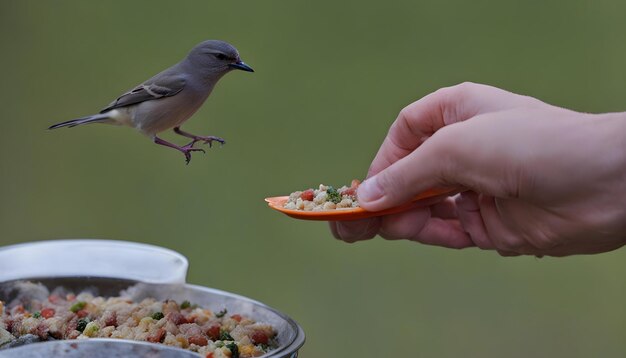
{"points": [[155, 88]]}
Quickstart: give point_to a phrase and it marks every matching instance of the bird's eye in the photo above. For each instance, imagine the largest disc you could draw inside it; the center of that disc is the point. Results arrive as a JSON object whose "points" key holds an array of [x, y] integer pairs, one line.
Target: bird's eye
{"points": [[220, 56]]}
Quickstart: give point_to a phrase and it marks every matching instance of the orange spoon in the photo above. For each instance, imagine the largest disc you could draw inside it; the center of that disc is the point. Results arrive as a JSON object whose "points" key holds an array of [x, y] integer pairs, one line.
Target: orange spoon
{"points": [[278, 203]]}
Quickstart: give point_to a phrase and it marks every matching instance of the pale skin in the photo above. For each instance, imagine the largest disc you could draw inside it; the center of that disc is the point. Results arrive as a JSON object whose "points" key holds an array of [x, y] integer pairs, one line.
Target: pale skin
{"points": [[535, 179]]}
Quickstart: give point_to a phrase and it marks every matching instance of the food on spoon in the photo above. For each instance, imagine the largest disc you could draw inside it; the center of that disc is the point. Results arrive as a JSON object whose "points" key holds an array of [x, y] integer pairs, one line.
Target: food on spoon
{"points": [[62, 315], [324, 198]]}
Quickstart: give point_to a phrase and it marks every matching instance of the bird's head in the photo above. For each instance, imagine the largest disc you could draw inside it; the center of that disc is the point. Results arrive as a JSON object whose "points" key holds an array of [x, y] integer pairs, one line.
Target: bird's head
{"points": [[217, 57]]}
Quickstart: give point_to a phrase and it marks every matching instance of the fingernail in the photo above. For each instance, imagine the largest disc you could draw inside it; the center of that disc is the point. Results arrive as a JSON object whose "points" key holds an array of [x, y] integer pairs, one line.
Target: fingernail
{"points": [[370, 190]]}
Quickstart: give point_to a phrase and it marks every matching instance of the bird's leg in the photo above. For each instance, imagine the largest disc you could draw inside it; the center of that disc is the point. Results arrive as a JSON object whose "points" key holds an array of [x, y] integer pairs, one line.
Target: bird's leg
{"points": [[186, 149], [207, 140]]}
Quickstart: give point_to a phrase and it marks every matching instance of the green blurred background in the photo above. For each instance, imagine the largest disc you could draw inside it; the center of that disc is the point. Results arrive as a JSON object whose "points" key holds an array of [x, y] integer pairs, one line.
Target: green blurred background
{"points": [[331, 76]]}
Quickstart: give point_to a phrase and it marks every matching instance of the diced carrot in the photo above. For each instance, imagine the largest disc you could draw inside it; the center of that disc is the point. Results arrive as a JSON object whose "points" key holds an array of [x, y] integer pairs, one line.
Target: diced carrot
{"points": [[42, 331], [259, 337], [348, 191], [214, 332], [110, 319], [47, 313], [352, 189], [236, 317], [176, 318], [308, 194], [157, 337], [198, 340]]}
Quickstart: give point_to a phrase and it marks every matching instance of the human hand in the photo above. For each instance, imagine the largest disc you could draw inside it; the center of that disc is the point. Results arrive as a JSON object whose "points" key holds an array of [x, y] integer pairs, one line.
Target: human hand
{"points": [[541, 180]]}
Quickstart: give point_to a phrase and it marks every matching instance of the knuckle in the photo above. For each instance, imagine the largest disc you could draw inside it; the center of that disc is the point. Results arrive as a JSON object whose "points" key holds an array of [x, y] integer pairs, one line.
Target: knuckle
{"points": [[447, 155], [405, 113], [467, 86], [402, 123], [510, 244], [458, 90], [407, 123]]}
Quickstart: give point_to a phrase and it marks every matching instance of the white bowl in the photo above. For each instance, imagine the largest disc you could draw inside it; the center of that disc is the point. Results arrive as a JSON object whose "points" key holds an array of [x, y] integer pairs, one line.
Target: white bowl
{"points": [[99, 258]]}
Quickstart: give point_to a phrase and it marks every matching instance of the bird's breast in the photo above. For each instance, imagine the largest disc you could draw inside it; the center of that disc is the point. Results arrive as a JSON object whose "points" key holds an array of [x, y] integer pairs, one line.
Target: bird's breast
{"points": [[152, 117]]}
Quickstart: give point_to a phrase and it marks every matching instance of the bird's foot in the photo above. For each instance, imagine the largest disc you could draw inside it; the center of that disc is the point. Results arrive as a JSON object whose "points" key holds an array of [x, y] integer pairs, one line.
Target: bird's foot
{"points": [[208, 140], [186, 149], [196, 138]]}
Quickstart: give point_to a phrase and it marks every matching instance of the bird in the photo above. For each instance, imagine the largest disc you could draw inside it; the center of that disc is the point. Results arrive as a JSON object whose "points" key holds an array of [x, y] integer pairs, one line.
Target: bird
{"points": [[171, 97]]}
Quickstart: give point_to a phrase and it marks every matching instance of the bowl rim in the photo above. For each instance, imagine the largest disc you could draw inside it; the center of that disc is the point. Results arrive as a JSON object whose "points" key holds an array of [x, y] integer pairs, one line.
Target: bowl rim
{"points": [[288, 350], [121, 244]]}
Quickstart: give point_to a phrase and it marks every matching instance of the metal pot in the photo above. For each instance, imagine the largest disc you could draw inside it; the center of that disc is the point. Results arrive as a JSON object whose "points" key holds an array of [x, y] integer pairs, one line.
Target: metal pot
{"points": [[290, 334]]}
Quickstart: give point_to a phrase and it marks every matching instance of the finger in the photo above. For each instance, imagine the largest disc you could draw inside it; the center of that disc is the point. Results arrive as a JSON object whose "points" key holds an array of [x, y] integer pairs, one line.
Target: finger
{"points": [[421, 119], [457, 156], [444, 233], [352, 231], [471, 219], [441, 206], [502, 236], [400, 182], [332, 225], [445, 210], [418, 225], [357, 230], [405, 225]]}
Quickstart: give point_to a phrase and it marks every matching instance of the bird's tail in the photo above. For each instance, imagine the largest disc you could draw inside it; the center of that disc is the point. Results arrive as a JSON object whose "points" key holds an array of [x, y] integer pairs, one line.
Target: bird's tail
{"points": [[83, 120]]}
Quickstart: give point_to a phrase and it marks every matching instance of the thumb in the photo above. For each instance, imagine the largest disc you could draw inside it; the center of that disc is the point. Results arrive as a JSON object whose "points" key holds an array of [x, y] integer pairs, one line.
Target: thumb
{"points": [[401, 181], [448, 159]]}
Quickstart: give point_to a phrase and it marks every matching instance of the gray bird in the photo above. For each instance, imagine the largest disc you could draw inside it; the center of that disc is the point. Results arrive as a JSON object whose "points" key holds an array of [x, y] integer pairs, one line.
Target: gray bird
{"points": [[168, 99]]}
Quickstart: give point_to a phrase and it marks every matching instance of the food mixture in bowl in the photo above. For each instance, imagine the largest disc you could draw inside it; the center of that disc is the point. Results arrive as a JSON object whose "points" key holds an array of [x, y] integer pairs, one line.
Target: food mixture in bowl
{"points": [[181, 324], [324, 198]]}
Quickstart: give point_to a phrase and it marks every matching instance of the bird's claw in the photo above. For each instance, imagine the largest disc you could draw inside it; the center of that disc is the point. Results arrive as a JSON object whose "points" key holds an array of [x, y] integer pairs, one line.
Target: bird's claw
{"points": [[209, 140], [188, 149], [197, 138]]}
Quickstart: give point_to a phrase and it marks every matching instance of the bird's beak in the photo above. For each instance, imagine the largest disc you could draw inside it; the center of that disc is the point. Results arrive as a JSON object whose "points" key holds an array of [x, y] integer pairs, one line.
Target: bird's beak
{"points": [[240, 65]]}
